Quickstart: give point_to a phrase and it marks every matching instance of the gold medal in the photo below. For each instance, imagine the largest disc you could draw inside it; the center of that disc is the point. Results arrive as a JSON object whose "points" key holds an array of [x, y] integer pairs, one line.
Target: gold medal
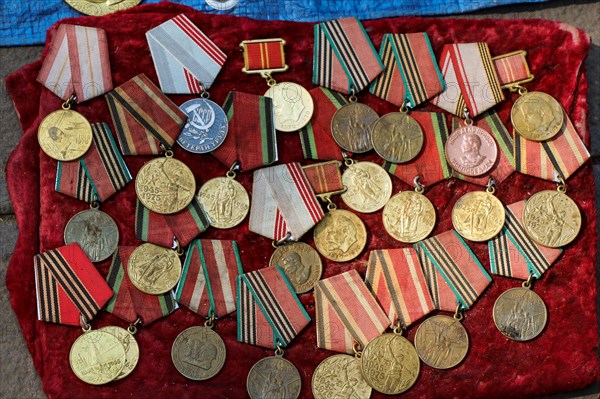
{"points": [[301, 264], [292, 106], [165, 185], [441, 342], [340, 376], [340, 236], [351, 127], [397, 137], [478, 216], [65, 135], [132, 350], [273, 377], [198, 353], [101, 7], [97, 357], [225, 201], [409, 217], [153, 269], [536, 116], [368, 186], [520, 314], [390, 364]]}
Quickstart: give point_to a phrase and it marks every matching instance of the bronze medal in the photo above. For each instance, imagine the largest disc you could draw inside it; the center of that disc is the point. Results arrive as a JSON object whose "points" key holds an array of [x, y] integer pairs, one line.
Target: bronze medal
{"points": [[225, 202], [292, 106], [198, 353], [441, 342], [153, 269], [397, 137], [351, 127], [97, 357], [478, 216], [132, 350], [368, 186], [340, 376], [520, 314], [95, 232], [301, 264], [471, 151], [65, 135], [273, 377], [101, 7], [537, 116], [340, 236], [409, 217]]}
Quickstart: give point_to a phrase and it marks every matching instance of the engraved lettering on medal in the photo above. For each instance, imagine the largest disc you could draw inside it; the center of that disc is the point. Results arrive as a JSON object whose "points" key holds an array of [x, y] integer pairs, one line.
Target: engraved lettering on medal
{"points": [[537, 116], [301, 264], [292, 106], [478, 216], [368, 187], [441, 342], [339, 377], [409, 217], [225, 201], [471, 151]]}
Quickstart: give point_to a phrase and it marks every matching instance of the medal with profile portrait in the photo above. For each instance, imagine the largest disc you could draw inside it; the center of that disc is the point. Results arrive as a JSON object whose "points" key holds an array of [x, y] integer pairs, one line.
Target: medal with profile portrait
{"points": [[340, 236], [301, 264]]}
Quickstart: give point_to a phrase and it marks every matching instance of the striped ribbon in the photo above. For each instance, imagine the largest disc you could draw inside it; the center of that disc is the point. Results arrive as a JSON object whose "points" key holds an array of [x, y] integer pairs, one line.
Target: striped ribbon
{"points": [[77, 63], [129, 303], [185, 58], [453, 272], [67, 285], [97, 175], [512, 68], [514, 254], [559, 157], [207, 284], [344, 57], [346, 313], [411, 71], [144, 117], [396, 279], [160, 229], [324, 177], [431, 162], [471, 79], [269, 312], [316, 139], [283, 201], [505, 164], [251, 139], [263, 55]]}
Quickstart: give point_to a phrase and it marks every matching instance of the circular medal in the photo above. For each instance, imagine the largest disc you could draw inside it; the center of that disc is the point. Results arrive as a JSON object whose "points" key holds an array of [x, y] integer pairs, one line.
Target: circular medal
{"points": [[132, 350], [301, 264], [339, 376], [153, 269], [198, 353], [351, 127], [551, 218], [409, 217], [520, 314], [101, 7], [96, 357], [292, 106], [165, 185], [478, 216], [368, 186], [273, 377], [340, 236], [390, 364], [471, 151], [65, 135], [222, 5], [206, 126], [397, 137], [225, 202], [95, 232], [537, 116], [441, 342]]}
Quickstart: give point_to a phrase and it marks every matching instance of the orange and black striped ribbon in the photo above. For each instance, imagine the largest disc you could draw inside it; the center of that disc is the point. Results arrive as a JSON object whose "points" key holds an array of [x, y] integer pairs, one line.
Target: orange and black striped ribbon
{"points": [[68, 286], [324, 177], [264, 54]]}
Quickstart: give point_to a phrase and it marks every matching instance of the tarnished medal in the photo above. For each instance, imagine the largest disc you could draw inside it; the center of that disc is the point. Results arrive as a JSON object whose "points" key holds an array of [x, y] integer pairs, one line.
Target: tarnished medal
{"points": [[225, 201], [478, 216], [340, 376], [198, 353], [537, 116], [340, 236], [351, 126], [206, 126], [301, 264], [96, 357], [397, 137], [153, 269], [368, 186], [132, 350], [442, 342], [274, 377], [95, 232], [65, 134], [101, 7], [520, 314]]}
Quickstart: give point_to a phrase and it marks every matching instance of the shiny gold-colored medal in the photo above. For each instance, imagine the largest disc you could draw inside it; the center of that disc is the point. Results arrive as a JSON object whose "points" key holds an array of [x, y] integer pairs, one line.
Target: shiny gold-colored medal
{"points": [[132, 350], [351, 126], [101, 7], [368, 186], [441, 341], [65, 134], [397, 137], [274, 377], [340, 376], [537, 116], [153, 269], [301, 264], [340, 236], [409, 216]]}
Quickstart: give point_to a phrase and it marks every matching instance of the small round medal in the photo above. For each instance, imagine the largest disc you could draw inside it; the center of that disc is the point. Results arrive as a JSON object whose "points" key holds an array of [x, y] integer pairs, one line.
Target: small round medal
{"points": [[471, 151], [339, 376], [409, 217], [301, 264], [206, 127], [132, 350], [198, 353], [390, 364], [551, 218], [225, 202], [273, 377], [537, 116], [340, 236], [368, 187], [397, 137], [165, 185], [520, 314], [153, 269], [65, 135], [95, 232], [293, 106], [478, 216], [351, 127], [96, 357], [222, 5], [97, 8], [441, 342]]}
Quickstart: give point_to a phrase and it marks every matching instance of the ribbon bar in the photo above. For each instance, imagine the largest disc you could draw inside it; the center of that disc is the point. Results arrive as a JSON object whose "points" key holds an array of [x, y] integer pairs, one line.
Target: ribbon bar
{"points": [[264, 56], [185, 59], [324, 177], [512, 69], [77, 63]]}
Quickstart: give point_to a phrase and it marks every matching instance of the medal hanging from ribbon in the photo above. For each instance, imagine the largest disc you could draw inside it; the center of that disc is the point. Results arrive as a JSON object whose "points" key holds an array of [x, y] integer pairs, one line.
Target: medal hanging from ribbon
{"points": [[269, 314], [206, 287]]}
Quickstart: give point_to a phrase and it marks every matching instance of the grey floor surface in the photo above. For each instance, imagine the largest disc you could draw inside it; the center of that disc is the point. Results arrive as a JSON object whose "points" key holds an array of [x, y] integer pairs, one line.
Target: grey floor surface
{"points": [[18, 378]]}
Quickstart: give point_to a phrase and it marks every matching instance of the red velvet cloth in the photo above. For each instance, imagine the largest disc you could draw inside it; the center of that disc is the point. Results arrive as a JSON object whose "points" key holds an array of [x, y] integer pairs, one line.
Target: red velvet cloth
{"points": [[563, 358]]}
